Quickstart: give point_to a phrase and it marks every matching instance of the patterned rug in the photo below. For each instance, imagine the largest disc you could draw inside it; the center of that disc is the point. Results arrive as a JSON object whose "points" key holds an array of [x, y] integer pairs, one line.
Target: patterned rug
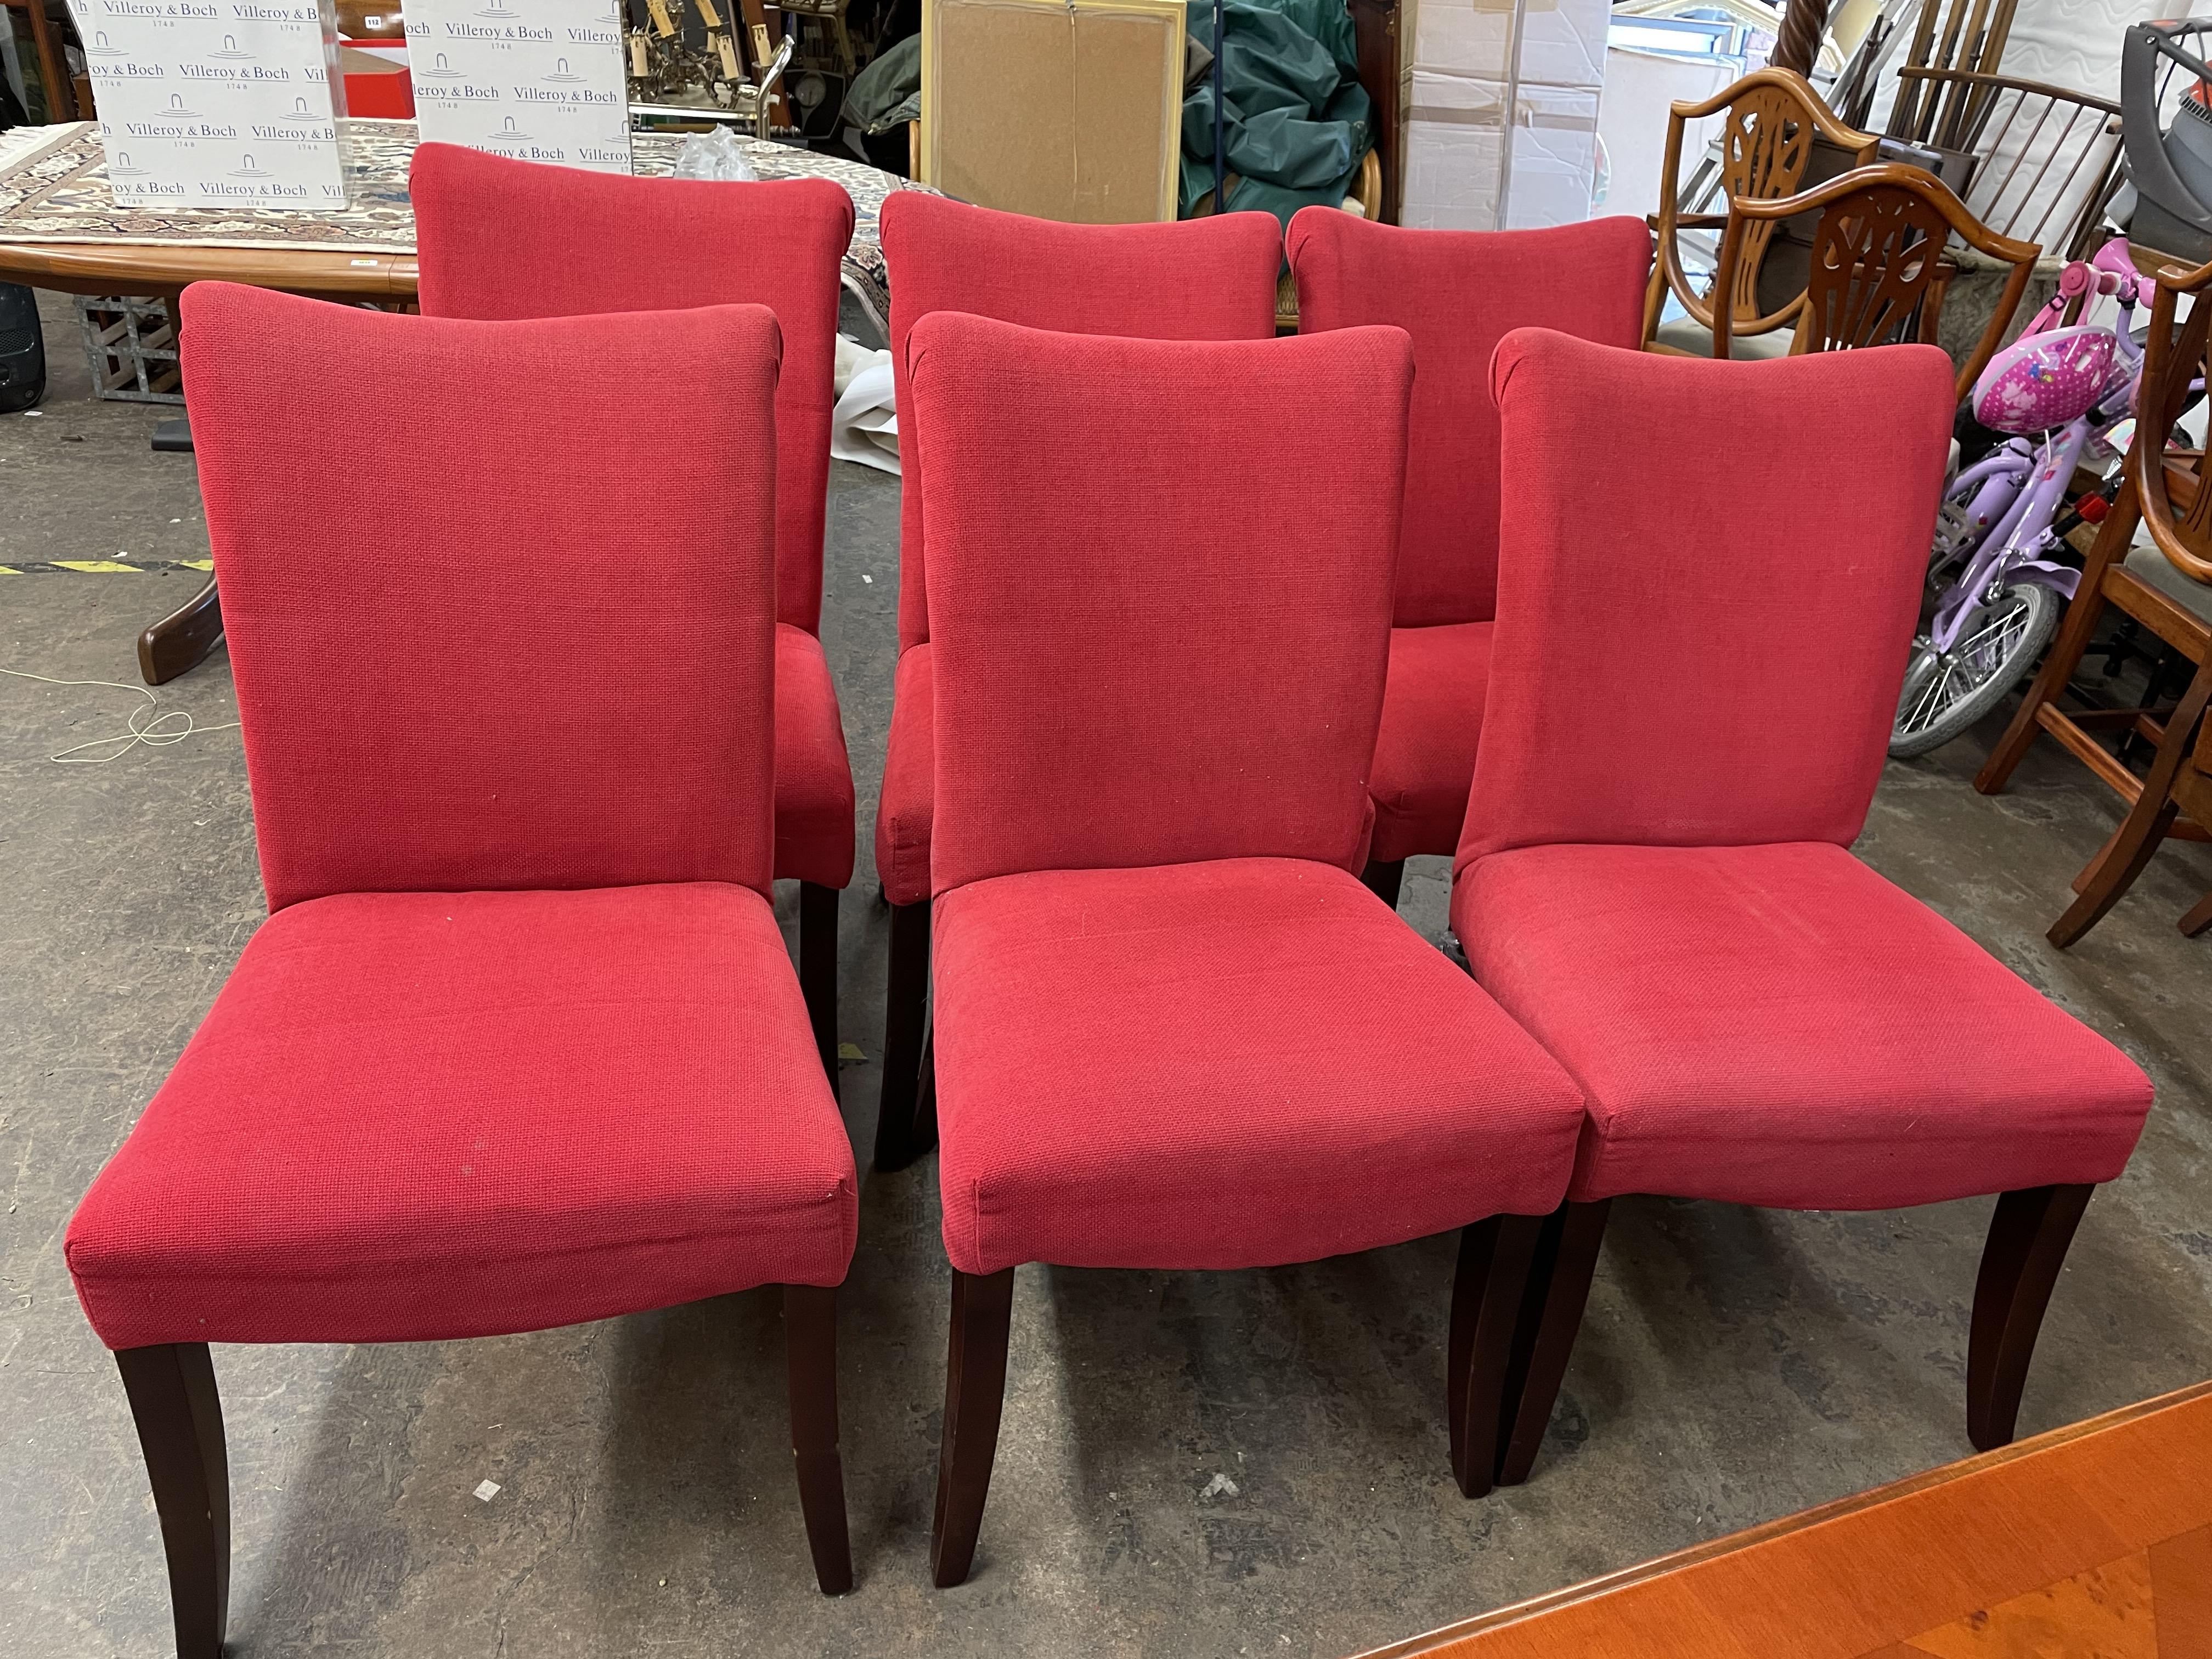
{"points": [[53, 188]]}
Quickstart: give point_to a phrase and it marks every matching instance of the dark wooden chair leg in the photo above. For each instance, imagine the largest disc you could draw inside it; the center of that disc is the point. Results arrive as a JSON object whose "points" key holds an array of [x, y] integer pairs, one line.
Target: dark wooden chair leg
{"points": [[2028, 1237], [2147, 823], [817, 968], [1558, 1290], [2199, 919], [925, 1097], [810, 1341], [181, 642], [1383, 880], [173, 1400], [975, 1388], [906, 1009], [1488, 1292]]}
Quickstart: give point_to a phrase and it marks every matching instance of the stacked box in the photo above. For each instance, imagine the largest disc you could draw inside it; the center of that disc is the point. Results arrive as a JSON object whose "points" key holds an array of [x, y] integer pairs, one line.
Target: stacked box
{"points": [[213, 103], [1502, 112], [537, 80]]}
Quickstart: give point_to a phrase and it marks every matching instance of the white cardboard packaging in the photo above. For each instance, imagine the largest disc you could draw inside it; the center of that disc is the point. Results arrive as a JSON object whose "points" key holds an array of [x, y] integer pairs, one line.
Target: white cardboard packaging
{"points": [[536, 80], [1465, 169], [212, 103]]}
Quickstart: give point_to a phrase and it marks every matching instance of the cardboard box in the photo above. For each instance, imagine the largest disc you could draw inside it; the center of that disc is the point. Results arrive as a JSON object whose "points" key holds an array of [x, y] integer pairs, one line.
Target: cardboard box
{"points": [[537, 80], [1465, 169], [207, 103], [1460, 173], [1060, 109], [1562, 42]]}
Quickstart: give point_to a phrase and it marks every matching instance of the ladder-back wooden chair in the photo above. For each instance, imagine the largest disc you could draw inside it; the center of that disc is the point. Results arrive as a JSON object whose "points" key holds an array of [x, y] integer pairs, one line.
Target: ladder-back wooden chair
{"points": [[1878, 271], [1773, 115], [2165, 585]]}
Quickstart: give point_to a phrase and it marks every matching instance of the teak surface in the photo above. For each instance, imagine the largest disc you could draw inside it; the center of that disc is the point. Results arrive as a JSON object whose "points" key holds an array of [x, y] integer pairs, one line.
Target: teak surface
{"points": [[2095, 1539]]}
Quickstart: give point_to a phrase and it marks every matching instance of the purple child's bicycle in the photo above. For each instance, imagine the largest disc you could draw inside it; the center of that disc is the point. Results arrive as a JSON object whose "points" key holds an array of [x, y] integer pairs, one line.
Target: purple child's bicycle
{"points": [[2064, 394]]}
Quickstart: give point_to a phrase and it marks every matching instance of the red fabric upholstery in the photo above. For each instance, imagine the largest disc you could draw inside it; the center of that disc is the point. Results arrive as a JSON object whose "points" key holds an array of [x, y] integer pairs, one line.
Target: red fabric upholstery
{"points": [[1779, 1025], [1458, 293], [1701, 630], [1231, 1063], [1093, 707], [902, 812], [419, 1116], [569, 643], [1197, 279], [813, 774], [501, 239], [1193, 279], [1425, 746]]}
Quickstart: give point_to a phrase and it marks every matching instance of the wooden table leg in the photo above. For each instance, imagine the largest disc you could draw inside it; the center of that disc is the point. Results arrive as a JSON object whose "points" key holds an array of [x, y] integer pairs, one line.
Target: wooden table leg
{"points": [[181, 642]]}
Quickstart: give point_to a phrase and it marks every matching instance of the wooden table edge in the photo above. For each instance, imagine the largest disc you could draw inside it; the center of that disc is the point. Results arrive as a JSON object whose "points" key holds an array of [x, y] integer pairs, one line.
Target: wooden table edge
{"points": [[168, 267], [1442, 1639]]}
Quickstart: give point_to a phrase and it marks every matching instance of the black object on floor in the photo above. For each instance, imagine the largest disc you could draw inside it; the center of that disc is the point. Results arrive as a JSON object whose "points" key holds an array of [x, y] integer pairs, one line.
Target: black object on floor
{"points": [[173, 437], [22, 350]]}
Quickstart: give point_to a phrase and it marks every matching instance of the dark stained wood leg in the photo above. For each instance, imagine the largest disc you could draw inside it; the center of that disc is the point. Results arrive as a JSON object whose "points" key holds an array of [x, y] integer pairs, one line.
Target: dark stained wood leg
{"points": [[906, 1009], [2028, 1237], [181, 642], [1558, 1289], [2199, 919], [1487, 1293], [810, 1341], [1383, 880], [925, 1095], [975, 1388], [2147, 823], [179, 1418], [817, 968]]}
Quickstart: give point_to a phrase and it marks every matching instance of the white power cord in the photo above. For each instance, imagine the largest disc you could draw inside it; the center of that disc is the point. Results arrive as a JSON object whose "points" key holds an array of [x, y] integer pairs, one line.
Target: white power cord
{"points": [[155, 732]]}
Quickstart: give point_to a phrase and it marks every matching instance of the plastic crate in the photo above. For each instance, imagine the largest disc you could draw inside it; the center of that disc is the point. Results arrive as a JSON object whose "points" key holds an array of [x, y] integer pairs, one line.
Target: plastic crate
{"points": [[131, 347]]}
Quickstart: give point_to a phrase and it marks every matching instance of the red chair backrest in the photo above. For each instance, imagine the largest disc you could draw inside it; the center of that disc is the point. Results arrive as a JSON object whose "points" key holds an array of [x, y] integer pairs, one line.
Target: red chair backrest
{"points": [[1708, 578], [505, 238], [1139, 661], [1458, 293], [484, 635], [1193, 279]]}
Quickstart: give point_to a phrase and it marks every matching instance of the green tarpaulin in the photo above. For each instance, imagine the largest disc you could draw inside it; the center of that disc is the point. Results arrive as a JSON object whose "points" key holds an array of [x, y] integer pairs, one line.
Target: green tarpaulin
{"points": [[1298, 122]]}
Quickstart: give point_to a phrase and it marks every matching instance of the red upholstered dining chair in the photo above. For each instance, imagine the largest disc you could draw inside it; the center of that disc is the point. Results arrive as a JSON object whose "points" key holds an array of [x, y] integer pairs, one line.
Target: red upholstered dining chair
{"points": [[519, 1045], [1457, 293], [1172, 1030], [1654, 876], [502, 239], [1193, 279]]}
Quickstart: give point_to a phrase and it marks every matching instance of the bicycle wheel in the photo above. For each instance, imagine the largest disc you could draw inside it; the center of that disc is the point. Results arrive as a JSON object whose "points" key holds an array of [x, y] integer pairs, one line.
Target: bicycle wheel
{"points": [[1947, 692]]}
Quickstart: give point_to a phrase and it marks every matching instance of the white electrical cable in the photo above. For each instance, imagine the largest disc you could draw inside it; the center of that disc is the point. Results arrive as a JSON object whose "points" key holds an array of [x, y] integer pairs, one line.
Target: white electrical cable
{"points": [[154, 734]]}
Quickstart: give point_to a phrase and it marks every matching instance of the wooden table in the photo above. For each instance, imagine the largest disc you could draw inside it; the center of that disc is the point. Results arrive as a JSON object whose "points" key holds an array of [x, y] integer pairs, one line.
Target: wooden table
{"points": [[2093, 1540]]}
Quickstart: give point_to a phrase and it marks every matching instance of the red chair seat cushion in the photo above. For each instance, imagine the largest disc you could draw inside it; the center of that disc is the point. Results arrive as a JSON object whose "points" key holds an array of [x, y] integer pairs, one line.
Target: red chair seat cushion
{"points": [[1232, 1064], [1779, 1025], [813, 774], [1425, 748], [425, 1116], [903, 813]]}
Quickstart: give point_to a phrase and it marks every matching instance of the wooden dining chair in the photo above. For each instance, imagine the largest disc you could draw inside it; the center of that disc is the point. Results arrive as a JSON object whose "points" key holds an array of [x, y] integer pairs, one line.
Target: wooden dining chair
{"points": [[1665, 898], [1879, 272], [2165, 585], [1770, 120], [1173, 1030], [519, 1045], [1190, 279], [503, 238]]}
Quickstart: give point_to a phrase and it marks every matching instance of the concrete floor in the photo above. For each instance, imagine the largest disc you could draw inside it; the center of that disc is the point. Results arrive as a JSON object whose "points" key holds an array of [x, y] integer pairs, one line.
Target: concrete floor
{"points": [[1194, 1465]]}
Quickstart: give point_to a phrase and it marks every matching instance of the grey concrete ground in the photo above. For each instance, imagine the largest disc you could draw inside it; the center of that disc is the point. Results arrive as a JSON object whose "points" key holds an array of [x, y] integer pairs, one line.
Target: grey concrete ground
{"points": [[1192, 1465]]}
